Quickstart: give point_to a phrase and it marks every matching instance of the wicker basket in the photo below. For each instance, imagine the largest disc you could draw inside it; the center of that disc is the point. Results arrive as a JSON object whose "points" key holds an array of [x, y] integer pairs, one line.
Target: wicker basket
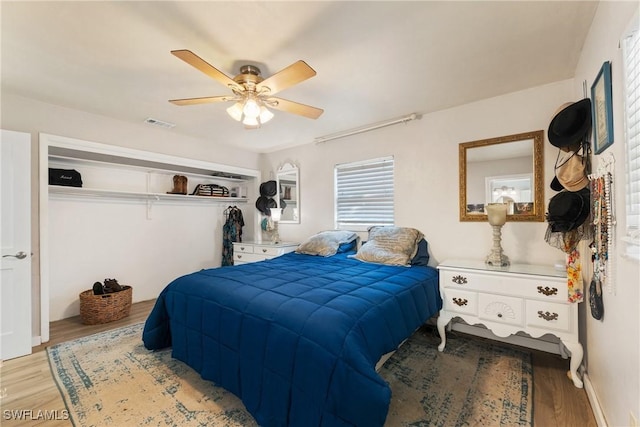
{"points": [[96, 309]]}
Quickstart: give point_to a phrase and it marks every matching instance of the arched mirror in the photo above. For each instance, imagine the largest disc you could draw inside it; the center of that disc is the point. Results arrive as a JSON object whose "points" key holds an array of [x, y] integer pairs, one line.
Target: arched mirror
{"points": [[507, 169], [288, 197]]}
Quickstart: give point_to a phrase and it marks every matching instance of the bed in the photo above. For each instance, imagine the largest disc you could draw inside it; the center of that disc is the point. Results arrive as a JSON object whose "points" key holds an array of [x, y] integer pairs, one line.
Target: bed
{"points": [[296, 337]]}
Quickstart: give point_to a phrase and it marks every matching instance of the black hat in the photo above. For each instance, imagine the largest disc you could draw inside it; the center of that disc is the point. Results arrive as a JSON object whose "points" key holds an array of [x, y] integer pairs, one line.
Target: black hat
{"points": [[568, 210], [263, 204], [268, 188], [571, 124]]}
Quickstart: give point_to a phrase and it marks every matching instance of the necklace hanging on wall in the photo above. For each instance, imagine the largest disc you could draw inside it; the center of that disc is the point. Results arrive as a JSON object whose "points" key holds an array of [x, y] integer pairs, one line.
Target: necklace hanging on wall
{"points": [[603, 204]]}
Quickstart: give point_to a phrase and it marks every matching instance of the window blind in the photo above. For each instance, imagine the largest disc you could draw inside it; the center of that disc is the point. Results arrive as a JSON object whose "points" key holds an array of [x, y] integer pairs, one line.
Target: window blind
{"points": [[631, 52], [364, 194]]}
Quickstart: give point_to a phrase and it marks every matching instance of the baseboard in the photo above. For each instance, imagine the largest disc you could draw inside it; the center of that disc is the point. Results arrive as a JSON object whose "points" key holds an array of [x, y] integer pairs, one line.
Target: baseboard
{"points": [[36, 341], [593, 401]]}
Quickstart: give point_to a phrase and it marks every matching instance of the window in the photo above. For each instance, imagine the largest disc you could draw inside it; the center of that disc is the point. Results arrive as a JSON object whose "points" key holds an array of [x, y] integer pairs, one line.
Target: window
{"points": [[631, 60], [364, 194]]}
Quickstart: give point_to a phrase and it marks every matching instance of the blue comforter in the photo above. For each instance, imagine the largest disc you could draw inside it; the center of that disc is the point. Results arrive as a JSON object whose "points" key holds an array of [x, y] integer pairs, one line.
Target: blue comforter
{"points": [[296, 337]]}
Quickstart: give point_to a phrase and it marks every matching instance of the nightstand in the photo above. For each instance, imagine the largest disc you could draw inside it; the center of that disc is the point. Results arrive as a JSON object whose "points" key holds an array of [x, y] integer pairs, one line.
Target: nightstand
{"points": [[517, 298], [246, 252]]}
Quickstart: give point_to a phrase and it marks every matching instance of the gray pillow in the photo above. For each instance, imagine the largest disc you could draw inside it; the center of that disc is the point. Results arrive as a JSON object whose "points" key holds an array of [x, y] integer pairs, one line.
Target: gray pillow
{"points": [[326, 243], [390, 245]]}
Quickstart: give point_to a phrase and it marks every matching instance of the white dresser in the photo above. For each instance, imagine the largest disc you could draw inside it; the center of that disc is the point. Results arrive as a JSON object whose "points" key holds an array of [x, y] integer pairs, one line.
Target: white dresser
{"points": [[519, 297], [246, 252]]}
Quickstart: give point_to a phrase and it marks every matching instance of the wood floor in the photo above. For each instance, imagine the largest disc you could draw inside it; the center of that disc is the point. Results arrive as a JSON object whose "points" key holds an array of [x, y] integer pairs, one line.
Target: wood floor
{"points": [[27, 385]]}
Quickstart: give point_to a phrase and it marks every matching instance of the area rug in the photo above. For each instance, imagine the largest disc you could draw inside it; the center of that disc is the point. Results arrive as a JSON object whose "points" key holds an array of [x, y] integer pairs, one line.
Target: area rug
{"points": [[110, 379]]}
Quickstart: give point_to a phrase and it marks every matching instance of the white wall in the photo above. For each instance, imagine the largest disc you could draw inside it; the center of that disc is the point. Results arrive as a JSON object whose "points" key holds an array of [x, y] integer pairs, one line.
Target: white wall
{"points": [[426, 173], [612, 344], [27, 115], [94, 239]]}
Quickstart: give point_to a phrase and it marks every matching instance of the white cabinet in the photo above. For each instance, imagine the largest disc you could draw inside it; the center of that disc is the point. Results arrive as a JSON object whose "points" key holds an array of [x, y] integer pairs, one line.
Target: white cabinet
{"points": [[517, 298], [247, 252]]}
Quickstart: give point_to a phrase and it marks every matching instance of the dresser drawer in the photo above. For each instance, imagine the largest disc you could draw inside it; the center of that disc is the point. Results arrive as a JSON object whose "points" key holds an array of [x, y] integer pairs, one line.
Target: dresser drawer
{"points": [[247, 257], [546, 315], [460, 301], [501, 309], [270, 252], [539, 288], [241, 247]]}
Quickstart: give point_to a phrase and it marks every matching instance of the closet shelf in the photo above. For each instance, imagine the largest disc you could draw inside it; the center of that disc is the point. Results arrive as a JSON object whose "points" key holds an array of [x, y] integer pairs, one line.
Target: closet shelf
{"points": [[150, 167], [140, 195]]}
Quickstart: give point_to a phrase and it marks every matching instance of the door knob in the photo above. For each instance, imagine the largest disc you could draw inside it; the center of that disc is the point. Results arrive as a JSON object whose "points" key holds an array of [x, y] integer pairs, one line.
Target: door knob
{"points": [[19, 255]]}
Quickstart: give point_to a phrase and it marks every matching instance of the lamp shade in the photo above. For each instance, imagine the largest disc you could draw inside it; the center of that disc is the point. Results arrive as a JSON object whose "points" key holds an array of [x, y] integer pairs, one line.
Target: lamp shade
{"points": [[251, 108], [275, 214], [265, 115], [235, 111], [497, 213]]}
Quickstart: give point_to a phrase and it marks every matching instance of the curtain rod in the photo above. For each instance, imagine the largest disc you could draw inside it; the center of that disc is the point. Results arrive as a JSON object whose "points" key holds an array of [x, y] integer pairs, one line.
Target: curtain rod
{"points": [[344, 133]]}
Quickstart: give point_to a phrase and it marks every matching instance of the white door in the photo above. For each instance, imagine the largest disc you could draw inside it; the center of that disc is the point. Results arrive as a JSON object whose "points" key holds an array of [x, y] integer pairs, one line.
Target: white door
{"points": [[15, 242]]}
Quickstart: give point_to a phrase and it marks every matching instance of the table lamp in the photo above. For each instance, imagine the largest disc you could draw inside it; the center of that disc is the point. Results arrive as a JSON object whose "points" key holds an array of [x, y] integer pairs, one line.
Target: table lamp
{"points": [[273, 222], [497, 215]]}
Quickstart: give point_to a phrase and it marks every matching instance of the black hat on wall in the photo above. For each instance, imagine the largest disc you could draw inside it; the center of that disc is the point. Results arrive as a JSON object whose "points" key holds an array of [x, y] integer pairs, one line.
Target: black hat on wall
{"points": [[263, 204], [268, 188], [568, 210], [571, 124]]}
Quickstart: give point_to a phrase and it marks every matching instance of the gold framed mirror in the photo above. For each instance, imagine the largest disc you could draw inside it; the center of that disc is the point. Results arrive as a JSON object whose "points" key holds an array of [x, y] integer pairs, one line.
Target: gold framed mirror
{"points": [[507, 169]]}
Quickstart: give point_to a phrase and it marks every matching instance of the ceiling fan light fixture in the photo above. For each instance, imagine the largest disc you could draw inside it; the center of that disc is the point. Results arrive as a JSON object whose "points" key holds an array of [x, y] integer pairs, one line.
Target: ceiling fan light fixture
{"points": [[250, 121], [235, 111], [265, 114], [251, 108], [252, 93]]}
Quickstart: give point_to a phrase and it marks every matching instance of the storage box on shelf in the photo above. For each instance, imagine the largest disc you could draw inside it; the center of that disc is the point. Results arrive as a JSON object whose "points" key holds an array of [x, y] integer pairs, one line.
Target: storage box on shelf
{"points": [[247, 252], [506, 300]]}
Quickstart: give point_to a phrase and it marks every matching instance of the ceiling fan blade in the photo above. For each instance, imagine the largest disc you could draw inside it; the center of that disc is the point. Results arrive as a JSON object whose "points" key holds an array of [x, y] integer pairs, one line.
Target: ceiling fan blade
{"points": [[203, 100], [202, 65], [293, 74], [295, 108]]}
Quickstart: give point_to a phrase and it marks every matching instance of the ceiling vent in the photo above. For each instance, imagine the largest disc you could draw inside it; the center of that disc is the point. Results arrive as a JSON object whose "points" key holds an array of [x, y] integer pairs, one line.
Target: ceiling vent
{"points": [[159, 123]]}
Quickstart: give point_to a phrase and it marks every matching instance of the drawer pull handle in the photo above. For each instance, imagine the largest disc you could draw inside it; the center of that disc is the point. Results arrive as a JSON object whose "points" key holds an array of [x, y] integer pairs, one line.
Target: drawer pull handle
{"points": [[242, 248], [500, 315], [239, 256], [460, 301], [548, 316], [459, 280], [264, 251], [547, 290]]}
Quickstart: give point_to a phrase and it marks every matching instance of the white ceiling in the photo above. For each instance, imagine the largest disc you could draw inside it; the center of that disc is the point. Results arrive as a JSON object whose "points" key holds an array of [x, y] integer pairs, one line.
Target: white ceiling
{"points": [[374, 60]]}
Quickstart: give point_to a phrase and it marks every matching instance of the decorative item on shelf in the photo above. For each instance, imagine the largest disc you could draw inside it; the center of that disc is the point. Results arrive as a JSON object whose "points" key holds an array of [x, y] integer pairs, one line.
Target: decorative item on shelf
{"points": [[272, 224], [65, 177], [210, 190], [497, 215], [179, 185]]}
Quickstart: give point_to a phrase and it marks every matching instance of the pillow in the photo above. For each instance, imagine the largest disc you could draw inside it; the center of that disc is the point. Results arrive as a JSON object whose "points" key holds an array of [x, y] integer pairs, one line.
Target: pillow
{"points": [[422, 256], [390, 245], [326, 243]]}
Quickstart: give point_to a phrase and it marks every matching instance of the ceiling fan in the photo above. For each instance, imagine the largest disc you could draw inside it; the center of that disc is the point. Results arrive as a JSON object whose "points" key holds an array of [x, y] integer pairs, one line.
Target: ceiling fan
{"points": [[252, 93]]}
